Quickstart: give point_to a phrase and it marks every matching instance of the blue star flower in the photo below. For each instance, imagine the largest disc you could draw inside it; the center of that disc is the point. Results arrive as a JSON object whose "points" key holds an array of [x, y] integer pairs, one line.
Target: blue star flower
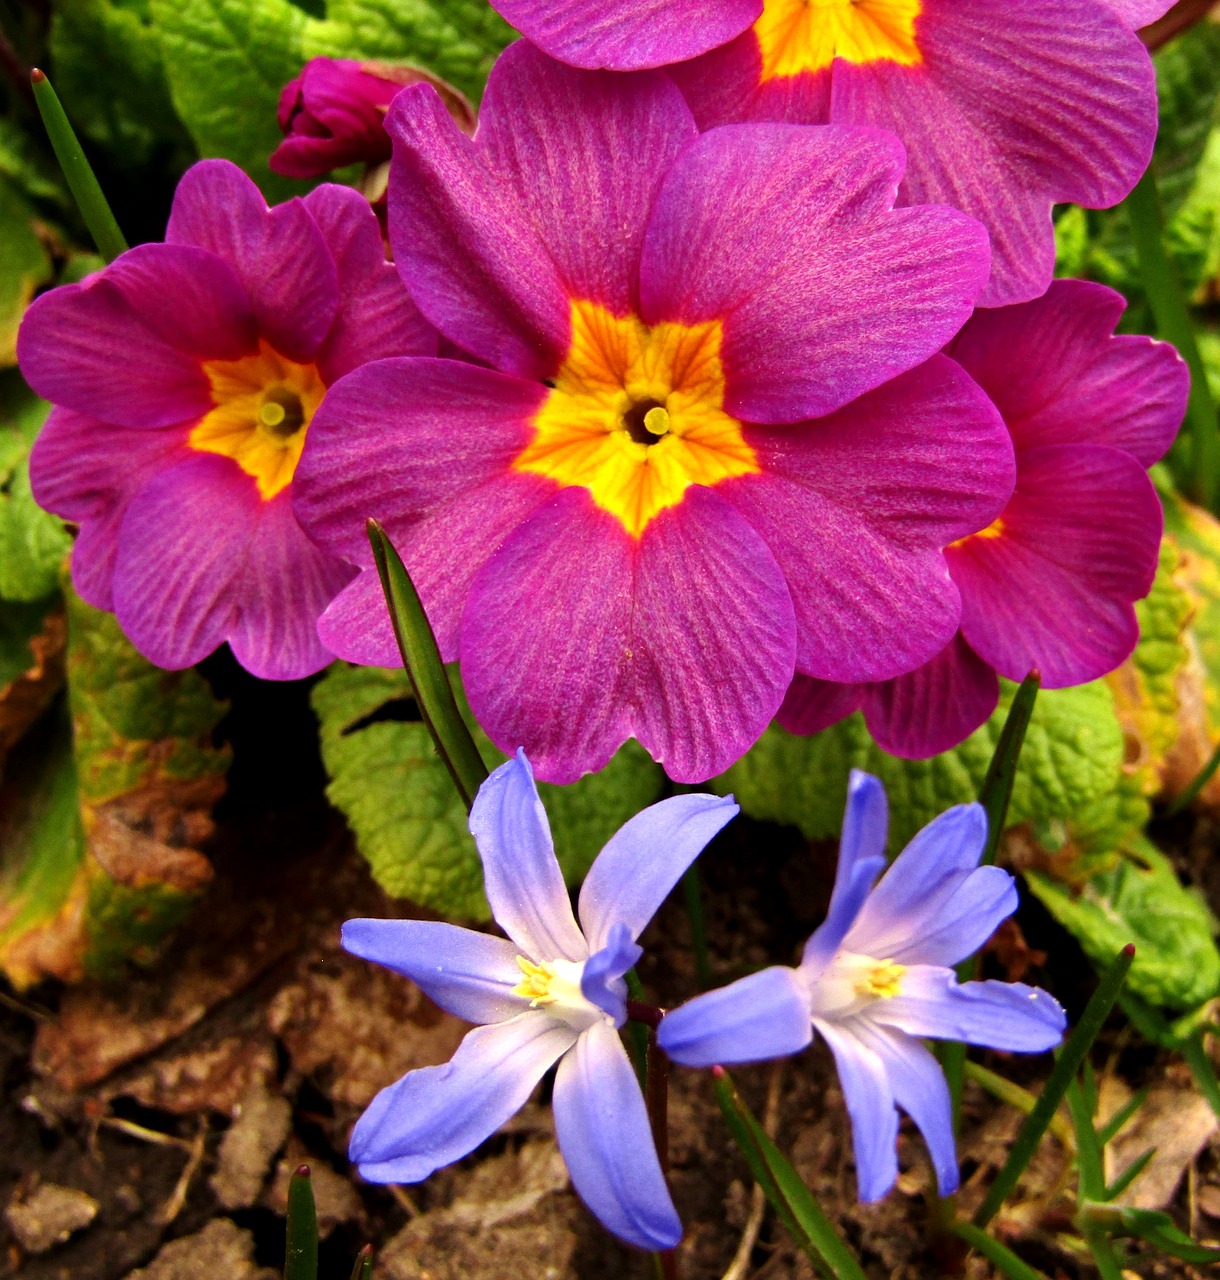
{"points": [[876, 977], [552, 992]]}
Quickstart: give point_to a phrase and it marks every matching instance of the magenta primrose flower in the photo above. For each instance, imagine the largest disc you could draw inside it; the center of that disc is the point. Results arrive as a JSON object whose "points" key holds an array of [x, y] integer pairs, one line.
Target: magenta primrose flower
{"points": [[1005, 108], [715, 443], [333, 114], [553, 991], [1051, 583], [876, 978], [185, 377]]}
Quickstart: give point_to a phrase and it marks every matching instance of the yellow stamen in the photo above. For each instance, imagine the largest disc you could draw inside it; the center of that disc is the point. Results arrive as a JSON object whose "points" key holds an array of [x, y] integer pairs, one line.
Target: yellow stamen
{"points": [[883, 981], [657, 421], [637, 416], [264, 403], [536, 985]]}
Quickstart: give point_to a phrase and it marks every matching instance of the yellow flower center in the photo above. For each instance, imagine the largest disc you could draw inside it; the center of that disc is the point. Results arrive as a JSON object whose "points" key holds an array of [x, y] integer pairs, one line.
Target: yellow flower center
{"points": [[264, 404], [882, 982], [535, 986], [994, 530], [637, 416], [798, 36]]}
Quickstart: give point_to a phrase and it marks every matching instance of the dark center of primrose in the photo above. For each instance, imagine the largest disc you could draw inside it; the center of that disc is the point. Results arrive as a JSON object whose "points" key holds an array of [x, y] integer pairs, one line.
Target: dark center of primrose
{"points": [[635, 426], [282, 412]]}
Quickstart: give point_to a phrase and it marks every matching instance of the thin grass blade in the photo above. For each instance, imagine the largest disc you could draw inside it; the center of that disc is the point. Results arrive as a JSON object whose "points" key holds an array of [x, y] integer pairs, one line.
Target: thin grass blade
{"points": [[1000, 1256], [789, 1196], [996, 791], [301, 1254], [1066, 1065], [426, 671], [1129, 1175], [363, 1270], [83, 183]]}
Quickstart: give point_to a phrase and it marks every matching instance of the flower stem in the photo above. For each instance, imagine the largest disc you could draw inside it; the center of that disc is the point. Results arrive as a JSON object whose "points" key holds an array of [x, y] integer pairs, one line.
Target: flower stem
{"points": [[692, 892], [86, 190], [657, 1098], [999, 1255]]}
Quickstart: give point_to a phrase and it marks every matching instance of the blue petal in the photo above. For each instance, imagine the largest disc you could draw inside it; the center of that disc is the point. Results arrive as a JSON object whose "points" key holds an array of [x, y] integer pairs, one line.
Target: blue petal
{"points": [[643, 861], [998, 1015], [953, 921], [602, 979], [763, 1016], [436, 1115], [524, 884], [470, 974], [602, 1127], [870, 1104], [861, 861], [920, 1089]]}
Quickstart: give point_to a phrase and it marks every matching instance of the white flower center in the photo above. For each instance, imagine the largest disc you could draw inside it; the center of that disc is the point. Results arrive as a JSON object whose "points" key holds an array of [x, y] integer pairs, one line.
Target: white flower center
{"points": [[554, 985], [852, 982]]}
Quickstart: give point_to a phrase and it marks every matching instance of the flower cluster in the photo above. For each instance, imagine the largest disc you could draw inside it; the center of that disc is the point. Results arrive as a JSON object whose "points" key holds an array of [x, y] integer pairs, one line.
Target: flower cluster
{"points": [[873, 980], [682, 408]]}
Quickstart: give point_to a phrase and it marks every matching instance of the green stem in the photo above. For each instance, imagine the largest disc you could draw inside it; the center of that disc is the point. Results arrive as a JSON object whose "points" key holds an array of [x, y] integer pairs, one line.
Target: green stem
{"points": [[1108, 1266], [1063, 1073], [363, 1270], [1195, 1053], [1167, 298], [426, 671], [1000, 1256], [85, 188], [692, 892]]}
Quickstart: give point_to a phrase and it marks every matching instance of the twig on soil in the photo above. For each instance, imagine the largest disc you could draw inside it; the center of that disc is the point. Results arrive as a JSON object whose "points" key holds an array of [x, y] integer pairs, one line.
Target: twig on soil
{"points": [[408, 1206], [173, 1206], [758, 1199], [133, 1130]]}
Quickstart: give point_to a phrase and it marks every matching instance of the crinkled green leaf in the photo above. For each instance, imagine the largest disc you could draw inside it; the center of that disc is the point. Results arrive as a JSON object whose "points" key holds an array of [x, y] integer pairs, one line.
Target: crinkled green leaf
{"points": [[226, 62], [1141, 900], [456, 39], [106, 63], [406, 814], [24, 265], [97, 856], [32, 172], [19, 624], [41, 861], [1072, 756], [33, 543], [138, 730]]}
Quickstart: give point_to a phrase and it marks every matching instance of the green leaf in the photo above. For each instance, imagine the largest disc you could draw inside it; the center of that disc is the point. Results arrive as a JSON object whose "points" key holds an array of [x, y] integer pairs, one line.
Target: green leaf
{"points": [[407, 816], [33, 543], [456, 39], [226, 62], [1141, 900], [1071, 759], [24, 265], [106, 60]]}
